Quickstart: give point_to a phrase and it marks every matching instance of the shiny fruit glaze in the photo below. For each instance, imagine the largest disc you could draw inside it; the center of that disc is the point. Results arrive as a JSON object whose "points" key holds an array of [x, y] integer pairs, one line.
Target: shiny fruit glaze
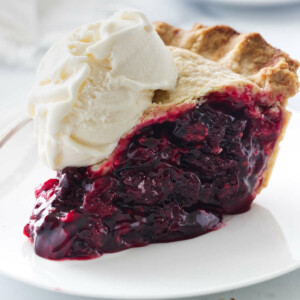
{"points": [[173, 180]]}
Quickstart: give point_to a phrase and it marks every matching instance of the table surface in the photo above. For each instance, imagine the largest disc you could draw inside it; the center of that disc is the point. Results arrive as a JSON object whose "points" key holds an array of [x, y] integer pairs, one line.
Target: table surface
{"points": [[15, 83]]}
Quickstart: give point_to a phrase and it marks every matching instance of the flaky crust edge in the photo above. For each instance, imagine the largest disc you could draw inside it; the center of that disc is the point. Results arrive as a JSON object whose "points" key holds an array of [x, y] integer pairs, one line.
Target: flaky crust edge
{"points": [[247, 54]]}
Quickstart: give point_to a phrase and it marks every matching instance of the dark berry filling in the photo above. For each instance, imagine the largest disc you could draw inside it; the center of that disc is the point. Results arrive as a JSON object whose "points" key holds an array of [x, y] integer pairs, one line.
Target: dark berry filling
{"points": [[170, 180]]}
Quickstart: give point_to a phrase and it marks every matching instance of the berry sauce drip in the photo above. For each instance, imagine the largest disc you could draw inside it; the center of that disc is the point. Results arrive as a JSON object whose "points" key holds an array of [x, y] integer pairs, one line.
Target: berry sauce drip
{"points": [[171, 180]]}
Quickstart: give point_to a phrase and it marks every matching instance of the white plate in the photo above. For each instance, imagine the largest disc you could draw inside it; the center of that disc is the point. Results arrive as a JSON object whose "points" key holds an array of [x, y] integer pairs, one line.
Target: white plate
{"points": [[255, 246]]}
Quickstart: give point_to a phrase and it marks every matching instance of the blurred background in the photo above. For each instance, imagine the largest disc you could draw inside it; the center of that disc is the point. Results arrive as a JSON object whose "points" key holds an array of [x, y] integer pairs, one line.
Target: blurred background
{"points": [[29, 27]]}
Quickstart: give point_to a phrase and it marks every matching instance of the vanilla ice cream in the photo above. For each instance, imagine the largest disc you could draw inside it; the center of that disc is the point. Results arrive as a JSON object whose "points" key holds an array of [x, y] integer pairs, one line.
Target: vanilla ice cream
{"points": [[93, 86]]}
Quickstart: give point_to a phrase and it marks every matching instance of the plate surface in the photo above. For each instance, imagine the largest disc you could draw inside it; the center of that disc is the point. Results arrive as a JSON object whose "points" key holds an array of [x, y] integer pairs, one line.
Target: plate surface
{"points": [[251, 247]]}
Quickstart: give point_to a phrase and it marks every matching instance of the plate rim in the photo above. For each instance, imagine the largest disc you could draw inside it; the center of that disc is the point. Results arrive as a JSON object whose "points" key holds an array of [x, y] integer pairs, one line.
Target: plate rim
{"points": [[181, 295]]}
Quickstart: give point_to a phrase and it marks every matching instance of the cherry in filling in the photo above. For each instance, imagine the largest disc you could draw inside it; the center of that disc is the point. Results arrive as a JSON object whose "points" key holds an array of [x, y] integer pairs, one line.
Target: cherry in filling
{"points": [[170, 180]]}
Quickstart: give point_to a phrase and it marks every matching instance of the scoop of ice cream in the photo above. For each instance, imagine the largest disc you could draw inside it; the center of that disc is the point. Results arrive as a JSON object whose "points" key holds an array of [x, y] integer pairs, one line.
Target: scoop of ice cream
{"points": [[93, 86]]}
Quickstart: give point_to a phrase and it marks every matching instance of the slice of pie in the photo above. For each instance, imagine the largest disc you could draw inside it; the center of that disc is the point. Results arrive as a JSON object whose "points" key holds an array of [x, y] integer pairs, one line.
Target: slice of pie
{"points": [[201, 151]]}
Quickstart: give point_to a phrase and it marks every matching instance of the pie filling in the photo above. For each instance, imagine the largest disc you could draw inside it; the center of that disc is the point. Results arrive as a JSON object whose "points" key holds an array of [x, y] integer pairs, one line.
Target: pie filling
{"points": [[170, 180]]}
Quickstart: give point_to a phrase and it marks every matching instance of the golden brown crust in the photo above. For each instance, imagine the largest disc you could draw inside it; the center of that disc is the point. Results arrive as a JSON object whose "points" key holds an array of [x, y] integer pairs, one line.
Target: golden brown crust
{"points": [[246, 54]]}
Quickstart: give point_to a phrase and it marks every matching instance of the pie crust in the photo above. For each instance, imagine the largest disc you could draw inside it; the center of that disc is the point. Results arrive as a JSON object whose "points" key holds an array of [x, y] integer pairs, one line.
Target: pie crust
{"points": [[247, 54]]}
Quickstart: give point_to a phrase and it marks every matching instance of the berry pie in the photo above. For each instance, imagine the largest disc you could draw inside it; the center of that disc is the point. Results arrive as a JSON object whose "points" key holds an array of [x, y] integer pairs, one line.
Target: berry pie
{"points": [[201, 150]]}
